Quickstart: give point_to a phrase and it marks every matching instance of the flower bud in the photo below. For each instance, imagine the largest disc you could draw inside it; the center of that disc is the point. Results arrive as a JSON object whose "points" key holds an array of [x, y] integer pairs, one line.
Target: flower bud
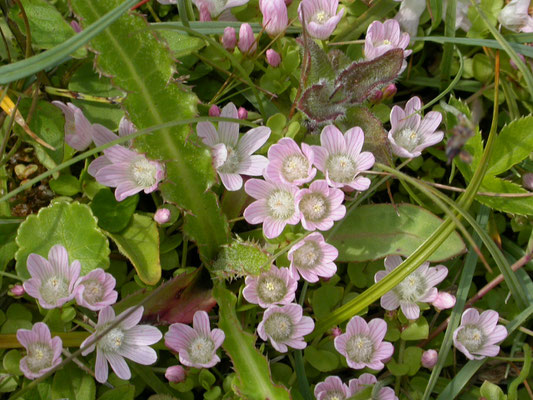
{"points": [[429, 358], [229, 39], [162, 216], [389, 91], [336, 331], [444, 301], [175, 374], [76, 26], [527, 181], [376, 97], [17, 291], [242, 113], [247, 44], [273, 57], [205, 15], [214, 111], [275, 17]]}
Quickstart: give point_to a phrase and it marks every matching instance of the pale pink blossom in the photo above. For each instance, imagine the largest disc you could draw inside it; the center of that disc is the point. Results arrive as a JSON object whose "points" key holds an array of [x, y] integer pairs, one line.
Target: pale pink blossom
{"points": [[516, 16], [275, 17], [320, 206], [478, 335], [313, 258], [213, 8], [78, 129], [285, 326], [418, 287], [340, 158], [229, 41], [232, 155], [162, 216], [42, 351], [409, 15], [53, 281], [276, 286], [444, 301], [382, 37], [332, 388], [175, 374], [430, 358], [320, 17], [288, 164], [273, 58], [410, 133], [196, 346], [247, 43], [126, 340], [96, 290], [363, 344], [366, 380]]}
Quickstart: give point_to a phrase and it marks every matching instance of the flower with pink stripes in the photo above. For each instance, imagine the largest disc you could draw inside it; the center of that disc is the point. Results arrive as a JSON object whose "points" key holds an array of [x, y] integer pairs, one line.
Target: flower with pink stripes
{"points": [[288, 164], [196, 346], [384, 36], [275, 17], [320, 17], [366, 380], [363, 344], [78, 129], [96, 290], [313, 258], [42, 351], [478, 335], [276, 286], [332, 388], [320, 206]]}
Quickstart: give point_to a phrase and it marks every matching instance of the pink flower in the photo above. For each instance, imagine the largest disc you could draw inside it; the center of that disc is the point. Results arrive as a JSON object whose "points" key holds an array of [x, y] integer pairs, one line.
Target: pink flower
{"points": [[247, 43], [162, 216], [313, 258], [382, 37], [52, 281], [275, 206], [211, 8], [410, 133], [444, 301], [320, 17], [516, 17], [175, 374], [429, 358], [332, 388], [233, 155], [276, 286], [363, 344], [366, 380], [340, 158], [275, 17], [290, 165], [229, 40], [273, 58], [418, 287], [478, 334], [320, 205], [42, 351], [78, 129], [126, 340], [285, 326], [196, 346], [96, 290]]}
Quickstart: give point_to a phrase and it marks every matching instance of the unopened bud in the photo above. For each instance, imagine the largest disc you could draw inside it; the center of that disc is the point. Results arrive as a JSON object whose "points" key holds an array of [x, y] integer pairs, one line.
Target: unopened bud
{"points": [[376, 97], [17, 290], [429, 358], [273, 57], [175, 374], [389, 91], [444, 301], [242, 113], [275, 19], [527, 181], [76, 26], [336, 331], [229, 39], [247, 44], [162, 216], [214, 111]]}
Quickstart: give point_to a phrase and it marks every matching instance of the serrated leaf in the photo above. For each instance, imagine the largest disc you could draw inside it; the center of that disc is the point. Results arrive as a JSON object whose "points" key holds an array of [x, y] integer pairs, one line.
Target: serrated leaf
{"points": [[253, 380], [181, 44], [376, 231], [143, 67], [139, 242], [315, 102], [71, 225], [318, 66], [113, 215], [515, 205]]}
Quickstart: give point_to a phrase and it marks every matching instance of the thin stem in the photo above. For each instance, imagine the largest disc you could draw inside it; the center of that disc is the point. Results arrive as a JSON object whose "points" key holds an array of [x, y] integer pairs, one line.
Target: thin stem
{"points": [[12, 276], [184, 253]]}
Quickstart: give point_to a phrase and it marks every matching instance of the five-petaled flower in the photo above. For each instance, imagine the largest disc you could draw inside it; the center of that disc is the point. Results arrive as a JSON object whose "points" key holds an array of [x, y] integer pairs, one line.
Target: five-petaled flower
{"points": [[96, 290], [320, 17], [42, 351], [320, 206], [368, 380], [313, 258], [332, 388], [276, 286]]}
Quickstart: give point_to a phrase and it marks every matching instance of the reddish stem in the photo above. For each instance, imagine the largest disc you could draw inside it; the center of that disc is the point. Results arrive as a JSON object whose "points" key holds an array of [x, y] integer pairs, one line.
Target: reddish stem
{"points": [[140, 3]]}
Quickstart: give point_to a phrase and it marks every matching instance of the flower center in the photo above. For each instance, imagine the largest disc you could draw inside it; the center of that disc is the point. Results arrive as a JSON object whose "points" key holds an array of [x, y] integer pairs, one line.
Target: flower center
{"points": [[360, 349], [314, 206], [385, 42], [201, 350], [40, 356], [412, 288], [471, 337], [54, 288], [295, 167], [307, 256], [341, 168], [144, 172], [271, 289], [334, 395], [112, 341], [232, 161], [279, 327], [93, 292], [280, 204], [320, 17], [407, 138]]}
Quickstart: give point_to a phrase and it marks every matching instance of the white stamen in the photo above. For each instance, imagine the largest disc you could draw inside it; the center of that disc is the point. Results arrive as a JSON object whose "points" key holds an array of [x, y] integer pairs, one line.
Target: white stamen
{"points": [[279, 326], [40, 356], [201, 350], [320, 17], [144, 172], [54, 288], [280, 204], [341, 168], [314, 206], [307, 256], [93, 292], [112, 341], [295, 167], [270, 288], [471, 337], [412, 288], [360, 349], [232, 162], [407, 138]]}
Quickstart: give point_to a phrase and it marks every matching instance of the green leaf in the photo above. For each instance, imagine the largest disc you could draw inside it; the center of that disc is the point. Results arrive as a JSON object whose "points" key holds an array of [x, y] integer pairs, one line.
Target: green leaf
{"points": [[71, 225], [113, 215], [126, 392], [253, 379], [417, 330], [492, 9], [11, 362], [322, 360], [139, 241], [412, 358], [325, 299], [397, 369], [515, 205], [490, 391], [65, 185], [182, 44], [376, 231], [143, 67]]}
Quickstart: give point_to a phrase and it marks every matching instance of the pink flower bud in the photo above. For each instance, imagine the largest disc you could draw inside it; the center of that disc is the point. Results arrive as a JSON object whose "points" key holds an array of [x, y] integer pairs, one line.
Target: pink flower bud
{"points": [[444, 301], [376, 96], [76, 26], [214, 111], [247, 43], [17, 290], [275, 17], [205, 15], [389, 91], [242, 113], [175, 374], [429, 358], [229, 39], [162, 216], [336, 331], [527, 181], [273, 57]]}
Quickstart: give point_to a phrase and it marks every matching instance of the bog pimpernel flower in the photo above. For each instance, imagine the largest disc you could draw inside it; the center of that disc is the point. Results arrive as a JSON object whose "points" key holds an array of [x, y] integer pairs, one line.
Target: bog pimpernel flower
{"points": [[276, 286], [340, 158], [516, 17], [366, 380], [410, 133], [273, 58], [285, 326], [417, 287], [42, 351], [78, 129], [478, 335], [444, 301], [320, 206], [96, 290], [275, 17], [52, 281], [175, 374], [320, 17], [288, 164], [233, 155], [332, 388], [126, 340], [196, 346], [313, 258], [363, 344], [409, 15], [213, 8], [247, 43], [275, 206], [382, 37], [429, 358]]}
